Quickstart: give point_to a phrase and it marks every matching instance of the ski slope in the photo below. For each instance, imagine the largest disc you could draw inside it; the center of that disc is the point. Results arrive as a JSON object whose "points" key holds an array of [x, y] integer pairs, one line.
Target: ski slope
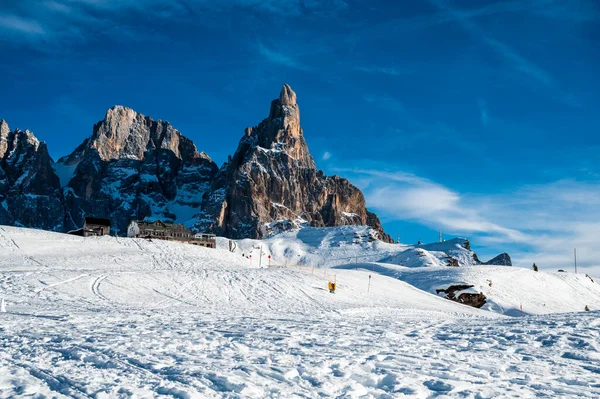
{"points": [[109, 317]]}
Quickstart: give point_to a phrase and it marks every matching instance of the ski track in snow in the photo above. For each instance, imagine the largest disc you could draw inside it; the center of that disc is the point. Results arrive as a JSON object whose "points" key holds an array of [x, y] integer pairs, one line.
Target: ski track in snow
{"points": [[124, 318]]}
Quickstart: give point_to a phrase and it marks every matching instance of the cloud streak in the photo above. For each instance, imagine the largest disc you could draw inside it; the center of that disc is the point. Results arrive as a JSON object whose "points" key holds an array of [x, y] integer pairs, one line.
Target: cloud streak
{"points": [[391, 70], [54, 22], [518, 61], [401, 196], [279, 58], [21, 25], [483, 113], [536, 223]]}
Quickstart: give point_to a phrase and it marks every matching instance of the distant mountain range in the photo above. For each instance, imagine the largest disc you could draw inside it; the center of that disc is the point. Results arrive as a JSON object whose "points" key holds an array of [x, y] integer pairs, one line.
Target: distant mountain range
{"points": [[134, 167]]}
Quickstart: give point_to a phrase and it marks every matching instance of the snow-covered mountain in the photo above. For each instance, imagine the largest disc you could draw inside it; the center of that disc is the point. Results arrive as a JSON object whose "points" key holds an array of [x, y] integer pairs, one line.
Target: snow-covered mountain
{"points": [[334, 246], [272, 183], [30, 192], [135, 167]]}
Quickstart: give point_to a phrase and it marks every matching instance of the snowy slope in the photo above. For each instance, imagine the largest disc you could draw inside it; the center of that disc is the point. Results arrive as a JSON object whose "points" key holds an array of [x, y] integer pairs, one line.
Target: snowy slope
{"points": [[511, 287], [331, 246], [137, 273], [128, 318], [424, 266]]}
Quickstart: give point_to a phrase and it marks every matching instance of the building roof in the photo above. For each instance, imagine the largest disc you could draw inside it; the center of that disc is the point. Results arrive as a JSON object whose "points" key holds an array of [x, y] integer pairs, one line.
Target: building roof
{"points": [[161, 224], [93, 220]]}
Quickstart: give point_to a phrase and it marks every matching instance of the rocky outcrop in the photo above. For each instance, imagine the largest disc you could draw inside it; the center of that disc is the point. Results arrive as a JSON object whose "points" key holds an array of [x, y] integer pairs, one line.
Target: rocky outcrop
{"points": [[133, 167], [501, 260], [272, 181], [476, 300], [29, 189]]}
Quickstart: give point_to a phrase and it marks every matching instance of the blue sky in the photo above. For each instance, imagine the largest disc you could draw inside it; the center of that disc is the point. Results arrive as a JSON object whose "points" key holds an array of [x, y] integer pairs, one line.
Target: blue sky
{"points": [[477, 118]]}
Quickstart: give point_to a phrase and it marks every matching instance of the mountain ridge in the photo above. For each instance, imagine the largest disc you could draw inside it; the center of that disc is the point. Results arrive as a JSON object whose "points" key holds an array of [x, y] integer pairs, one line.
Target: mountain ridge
{"points": [[135, 167]]}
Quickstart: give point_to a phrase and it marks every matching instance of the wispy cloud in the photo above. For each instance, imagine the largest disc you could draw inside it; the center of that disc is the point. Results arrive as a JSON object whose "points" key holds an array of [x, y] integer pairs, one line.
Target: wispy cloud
{"points": [[483, 113], [535, 223], [574, 11], [391, 70], [387, 103], [59, 22], [518, 61], [406, 196], [521, 63], [326, 155], [21, 25], [277, 57]]}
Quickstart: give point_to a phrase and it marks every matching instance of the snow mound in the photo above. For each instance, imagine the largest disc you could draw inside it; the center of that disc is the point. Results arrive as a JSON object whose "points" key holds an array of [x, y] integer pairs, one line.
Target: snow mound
{"points": [[332, 246]]}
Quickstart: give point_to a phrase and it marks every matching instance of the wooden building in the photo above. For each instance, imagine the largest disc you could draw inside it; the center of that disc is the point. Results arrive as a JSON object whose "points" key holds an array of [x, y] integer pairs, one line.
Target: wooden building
{"points": [[169, 231], [205, 240], [93, 227]]}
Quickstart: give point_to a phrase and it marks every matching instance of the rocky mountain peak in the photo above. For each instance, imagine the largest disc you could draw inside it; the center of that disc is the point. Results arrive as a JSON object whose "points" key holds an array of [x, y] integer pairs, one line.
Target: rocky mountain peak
{"points": [[287, 95], [135, 167], [284, 115], [27, 137], [501, 260], [280, 133], [123, 133], [4, 131], [272, 183], [29, 187], [16, 140], [127, 134], [4, 128]]}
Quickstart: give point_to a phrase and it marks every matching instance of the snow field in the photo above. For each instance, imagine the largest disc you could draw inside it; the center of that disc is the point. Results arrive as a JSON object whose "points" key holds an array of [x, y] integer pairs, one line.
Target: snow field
{"points": [[126, 318]]}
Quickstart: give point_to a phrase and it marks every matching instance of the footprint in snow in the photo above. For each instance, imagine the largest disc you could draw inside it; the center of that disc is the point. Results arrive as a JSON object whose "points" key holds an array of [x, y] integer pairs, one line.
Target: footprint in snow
{"points": [[438, 386]]}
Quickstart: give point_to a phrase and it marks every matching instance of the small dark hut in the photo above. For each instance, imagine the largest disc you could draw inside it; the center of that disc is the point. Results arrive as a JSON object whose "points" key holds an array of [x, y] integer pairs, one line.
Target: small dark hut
{"points": [[93, 227]]}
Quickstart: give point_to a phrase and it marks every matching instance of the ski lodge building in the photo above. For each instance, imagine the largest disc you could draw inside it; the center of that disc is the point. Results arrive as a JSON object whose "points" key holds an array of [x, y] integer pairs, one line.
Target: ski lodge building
{"points": [[169, 231]]}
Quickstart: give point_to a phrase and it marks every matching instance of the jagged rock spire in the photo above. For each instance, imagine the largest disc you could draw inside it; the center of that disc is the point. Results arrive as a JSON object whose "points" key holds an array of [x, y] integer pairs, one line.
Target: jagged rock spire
{"points": [[272, 179], [287, 95], [4, 131]]}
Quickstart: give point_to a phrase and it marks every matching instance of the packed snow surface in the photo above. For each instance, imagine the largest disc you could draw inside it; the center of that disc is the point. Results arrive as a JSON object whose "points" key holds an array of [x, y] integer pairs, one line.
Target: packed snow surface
{"points": [[113, 317]]}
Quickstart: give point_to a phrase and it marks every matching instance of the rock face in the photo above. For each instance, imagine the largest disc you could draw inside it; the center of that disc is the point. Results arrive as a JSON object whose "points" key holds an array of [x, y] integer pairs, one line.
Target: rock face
{"points": [[476, 300], [272, 183], [501, 260], [133, 167], [30, 192]]}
